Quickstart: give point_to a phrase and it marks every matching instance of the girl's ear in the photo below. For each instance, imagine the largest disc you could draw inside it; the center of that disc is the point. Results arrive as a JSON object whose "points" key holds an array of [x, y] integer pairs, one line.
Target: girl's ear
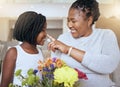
{"points": [[90, 20]]}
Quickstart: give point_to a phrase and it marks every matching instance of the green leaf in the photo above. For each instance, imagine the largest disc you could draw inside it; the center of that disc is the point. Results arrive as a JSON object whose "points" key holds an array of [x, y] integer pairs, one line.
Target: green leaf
{"points": [[31, 80], [30, 71], [11, 85], [37, 78], [24, 82], [18, 72]]}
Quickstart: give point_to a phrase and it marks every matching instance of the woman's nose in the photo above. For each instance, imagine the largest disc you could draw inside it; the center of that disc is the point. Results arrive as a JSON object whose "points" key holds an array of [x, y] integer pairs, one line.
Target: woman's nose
{"points": [[69, 24]]}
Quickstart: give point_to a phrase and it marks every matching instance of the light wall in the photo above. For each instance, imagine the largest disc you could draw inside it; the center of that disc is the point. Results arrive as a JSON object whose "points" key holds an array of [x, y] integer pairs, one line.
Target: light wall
{"points": [[53, 12], [49, 10], [4, 31]]}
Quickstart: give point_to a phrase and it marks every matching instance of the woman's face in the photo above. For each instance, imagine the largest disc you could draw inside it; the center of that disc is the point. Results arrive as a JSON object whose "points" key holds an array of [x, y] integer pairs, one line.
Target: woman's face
{"points": [[42, 36], [78, 23]]}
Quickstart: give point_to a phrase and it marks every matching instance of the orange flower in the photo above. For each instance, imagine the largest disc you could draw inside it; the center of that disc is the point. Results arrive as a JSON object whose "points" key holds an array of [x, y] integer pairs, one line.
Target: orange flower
{"points": [[48, 62], [40, 68], [59, 63], [40, 62]]}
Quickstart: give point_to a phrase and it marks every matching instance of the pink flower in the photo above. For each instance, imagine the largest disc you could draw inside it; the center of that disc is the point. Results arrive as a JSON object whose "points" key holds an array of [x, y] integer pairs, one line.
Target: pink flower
{"points": [[81, 75]]}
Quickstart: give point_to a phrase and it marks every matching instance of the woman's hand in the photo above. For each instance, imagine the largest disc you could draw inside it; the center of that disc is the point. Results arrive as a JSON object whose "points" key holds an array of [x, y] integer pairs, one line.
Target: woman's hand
{"points": [[57, 45]]}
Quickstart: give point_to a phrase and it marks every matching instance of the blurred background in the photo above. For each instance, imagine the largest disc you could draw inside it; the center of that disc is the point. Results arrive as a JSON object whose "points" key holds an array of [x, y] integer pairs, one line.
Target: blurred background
{"points": [[56, 12]]}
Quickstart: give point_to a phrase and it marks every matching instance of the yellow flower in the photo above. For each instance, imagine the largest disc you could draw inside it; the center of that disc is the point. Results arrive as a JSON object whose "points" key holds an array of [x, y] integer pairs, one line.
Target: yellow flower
{"points": [[66, 75]]}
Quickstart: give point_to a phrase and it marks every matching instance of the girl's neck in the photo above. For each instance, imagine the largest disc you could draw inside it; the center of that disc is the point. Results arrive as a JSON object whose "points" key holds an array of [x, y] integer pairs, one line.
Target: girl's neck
{"points": [[29, 48]]}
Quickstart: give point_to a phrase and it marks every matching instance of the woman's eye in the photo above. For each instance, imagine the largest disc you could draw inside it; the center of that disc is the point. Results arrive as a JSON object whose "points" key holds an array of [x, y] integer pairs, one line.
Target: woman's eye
{"points": [[73, 21], [68, 20]]}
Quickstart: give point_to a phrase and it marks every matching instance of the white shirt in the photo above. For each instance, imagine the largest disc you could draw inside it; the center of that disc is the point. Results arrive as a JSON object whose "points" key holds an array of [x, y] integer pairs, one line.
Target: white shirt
{"points": [[25, 61], [101, 57]]}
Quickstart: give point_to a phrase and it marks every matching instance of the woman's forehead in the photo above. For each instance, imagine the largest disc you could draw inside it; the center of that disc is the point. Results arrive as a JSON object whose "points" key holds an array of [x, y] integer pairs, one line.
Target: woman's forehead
{"points": [[75, 13]]}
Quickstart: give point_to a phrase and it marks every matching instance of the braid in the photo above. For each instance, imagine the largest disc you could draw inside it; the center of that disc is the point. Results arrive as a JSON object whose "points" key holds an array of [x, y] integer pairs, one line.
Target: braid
{"points": [[90, 7]]}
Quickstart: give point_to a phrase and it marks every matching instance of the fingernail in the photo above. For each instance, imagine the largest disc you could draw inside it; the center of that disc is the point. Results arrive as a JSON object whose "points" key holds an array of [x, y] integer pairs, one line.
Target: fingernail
{"points": [[48, 40]]}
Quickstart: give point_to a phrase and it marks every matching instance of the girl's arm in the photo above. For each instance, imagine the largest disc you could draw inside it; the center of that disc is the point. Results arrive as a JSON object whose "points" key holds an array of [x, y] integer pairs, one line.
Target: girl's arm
{"points": [[8, 67]]}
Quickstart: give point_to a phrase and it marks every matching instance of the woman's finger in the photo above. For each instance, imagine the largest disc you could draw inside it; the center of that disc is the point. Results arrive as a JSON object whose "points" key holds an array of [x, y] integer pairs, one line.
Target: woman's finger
{"points": [[50, 37], [52, 46]]}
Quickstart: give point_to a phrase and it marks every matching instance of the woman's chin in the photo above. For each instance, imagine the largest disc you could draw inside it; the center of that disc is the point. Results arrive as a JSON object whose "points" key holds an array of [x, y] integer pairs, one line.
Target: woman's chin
{"points": [[75, 36]]}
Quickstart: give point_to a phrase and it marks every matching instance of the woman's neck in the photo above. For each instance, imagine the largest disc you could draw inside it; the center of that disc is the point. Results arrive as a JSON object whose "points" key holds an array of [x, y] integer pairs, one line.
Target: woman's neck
{"points": [[89, 32]]}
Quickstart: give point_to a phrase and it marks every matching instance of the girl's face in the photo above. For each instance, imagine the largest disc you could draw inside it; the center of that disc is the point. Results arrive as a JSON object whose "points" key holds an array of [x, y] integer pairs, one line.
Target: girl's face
{"points": [[42, 36], [78, 23]]}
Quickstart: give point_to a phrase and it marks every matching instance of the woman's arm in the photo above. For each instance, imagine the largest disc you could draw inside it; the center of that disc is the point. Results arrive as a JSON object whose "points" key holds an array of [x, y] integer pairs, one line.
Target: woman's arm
{"points": [[73, 52], [8, 67], [109, 58], [104, 62]]}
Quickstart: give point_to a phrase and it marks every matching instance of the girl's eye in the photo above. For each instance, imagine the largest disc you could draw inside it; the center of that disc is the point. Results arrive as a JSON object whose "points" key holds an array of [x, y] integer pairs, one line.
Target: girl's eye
{"points": [[43, 30]]}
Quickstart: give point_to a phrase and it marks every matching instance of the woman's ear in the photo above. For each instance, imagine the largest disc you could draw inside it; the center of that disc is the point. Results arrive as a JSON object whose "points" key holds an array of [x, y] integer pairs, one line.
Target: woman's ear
{"points": [[90, 20]]}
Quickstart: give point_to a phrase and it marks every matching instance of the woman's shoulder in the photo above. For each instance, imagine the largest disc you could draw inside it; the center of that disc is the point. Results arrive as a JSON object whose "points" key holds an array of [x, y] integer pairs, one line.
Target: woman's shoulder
{"points": [[64, 36], [104, 30]]}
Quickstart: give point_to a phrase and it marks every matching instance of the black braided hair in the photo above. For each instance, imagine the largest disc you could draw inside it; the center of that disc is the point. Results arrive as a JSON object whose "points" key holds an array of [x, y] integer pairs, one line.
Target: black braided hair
{"points": [[28, 26], [90, 7]]}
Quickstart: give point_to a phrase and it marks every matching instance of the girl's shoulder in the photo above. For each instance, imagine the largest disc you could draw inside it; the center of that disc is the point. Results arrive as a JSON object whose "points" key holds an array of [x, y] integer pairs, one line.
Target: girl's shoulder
{"points": [[12, 50], [11, 54]]}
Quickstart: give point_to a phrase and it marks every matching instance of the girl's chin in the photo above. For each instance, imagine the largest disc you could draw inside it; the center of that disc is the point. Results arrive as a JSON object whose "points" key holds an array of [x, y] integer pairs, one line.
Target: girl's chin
{"points": [[42, 43]]}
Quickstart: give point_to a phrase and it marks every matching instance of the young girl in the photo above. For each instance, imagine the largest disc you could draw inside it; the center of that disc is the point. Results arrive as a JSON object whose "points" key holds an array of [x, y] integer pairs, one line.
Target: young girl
{"points": [[30, 29]]}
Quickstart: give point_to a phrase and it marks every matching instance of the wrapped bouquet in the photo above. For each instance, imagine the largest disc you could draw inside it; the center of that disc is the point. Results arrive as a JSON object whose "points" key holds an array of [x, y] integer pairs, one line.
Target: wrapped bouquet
{"points": [[55, 73]]}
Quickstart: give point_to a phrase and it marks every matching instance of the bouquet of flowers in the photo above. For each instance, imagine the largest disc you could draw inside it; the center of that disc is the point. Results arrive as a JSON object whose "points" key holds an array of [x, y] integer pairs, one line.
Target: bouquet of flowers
{"points": [[55, 73]]}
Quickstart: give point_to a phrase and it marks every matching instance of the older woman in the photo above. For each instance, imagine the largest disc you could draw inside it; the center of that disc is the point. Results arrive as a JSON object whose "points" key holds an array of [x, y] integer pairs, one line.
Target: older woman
{"points": [[93, 51]]}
